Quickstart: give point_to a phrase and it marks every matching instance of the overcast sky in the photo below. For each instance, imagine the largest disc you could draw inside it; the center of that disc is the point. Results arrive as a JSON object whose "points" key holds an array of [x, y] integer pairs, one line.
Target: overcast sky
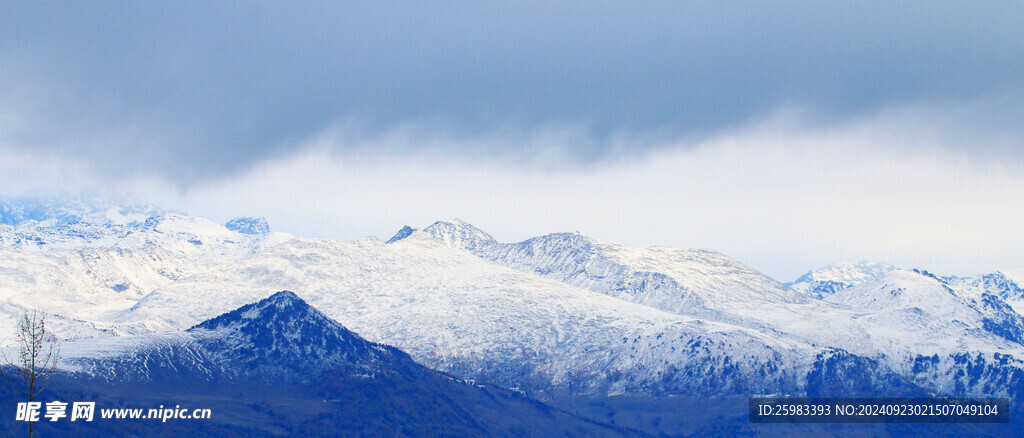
{"points": [[785, 134]]}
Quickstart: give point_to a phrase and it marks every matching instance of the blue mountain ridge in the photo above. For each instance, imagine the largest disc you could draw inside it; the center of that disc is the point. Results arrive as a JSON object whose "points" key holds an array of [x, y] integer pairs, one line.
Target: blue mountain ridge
{"points": [[248, 225], [66, 209], [280, 367]]}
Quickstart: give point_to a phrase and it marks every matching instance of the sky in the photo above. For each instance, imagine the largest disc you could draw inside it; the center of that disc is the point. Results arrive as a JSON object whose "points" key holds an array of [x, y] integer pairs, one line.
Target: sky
{"points": [[786, 134]]}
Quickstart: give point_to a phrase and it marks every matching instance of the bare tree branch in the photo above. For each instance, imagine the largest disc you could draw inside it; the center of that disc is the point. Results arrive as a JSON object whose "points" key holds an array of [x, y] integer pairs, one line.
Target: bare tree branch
{"points": [[35, 366]]}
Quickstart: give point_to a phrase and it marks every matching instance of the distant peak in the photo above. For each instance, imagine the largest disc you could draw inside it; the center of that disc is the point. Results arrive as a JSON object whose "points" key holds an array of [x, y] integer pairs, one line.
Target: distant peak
{"points": [[455, 224], [284, 296], [248, 225], [574, 236], [282, 336], [920, 275], [281, 305], [930, 275], [64, 208], [837, 276], [847, 272], [406, 231], [459, 234]]}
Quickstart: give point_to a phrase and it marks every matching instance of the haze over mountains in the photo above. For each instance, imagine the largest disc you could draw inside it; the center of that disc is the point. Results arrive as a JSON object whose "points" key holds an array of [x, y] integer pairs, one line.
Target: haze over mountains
{"points": [[553, 316]]}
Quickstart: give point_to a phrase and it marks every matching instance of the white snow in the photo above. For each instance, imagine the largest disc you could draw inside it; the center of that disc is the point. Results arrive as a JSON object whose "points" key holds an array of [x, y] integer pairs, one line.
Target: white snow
{"points": [[563, 306]]}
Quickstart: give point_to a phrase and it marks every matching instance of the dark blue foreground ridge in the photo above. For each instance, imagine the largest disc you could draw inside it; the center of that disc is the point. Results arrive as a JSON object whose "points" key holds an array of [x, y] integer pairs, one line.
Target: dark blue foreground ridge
{"points": [[279, 367]]}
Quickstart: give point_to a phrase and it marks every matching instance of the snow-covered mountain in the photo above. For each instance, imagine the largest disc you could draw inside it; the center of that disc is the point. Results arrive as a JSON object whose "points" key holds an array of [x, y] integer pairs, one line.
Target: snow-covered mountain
{"points": [[552, 313], [919, 297], [61, 220], [273, 339], [88, 269], [696, 282], [312, 375], [456, 312], [833, 278], [68, 209], [248, 225], [562, 313], [823, 282], [1005, 284], [960, 323]]}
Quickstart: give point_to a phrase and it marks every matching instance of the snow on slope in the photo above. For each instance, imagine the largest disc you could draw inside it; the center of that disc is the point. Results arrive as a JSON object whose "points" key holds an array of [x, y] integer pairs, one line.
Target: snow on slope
{"points": [[454, 311], [87, 283], [201, 239], [1015, 288], [562, 310], [51, 209], [1005, 284], [925, 310], [1015, 275], [709, 285], [61, 220], [314, 369], [277, 336], [905, 289], [693, 282], [684, 281], [833, 278], [458, 312], [86, 278], [248, 225]]}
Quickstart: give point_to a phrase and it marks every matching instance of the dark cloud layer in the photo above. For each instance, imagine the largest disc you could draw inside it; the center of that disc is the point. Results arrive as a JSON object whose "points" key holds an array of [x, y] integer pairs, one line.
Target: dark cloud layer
{"points": [[192, 90]]}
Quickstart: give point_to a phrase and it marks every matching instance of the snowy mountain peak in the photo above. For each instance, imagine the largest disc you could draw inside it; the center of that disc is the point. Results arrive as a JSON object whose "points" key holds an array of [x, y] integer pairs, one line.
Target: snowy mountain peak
{"points": [[915, 296], [847, 272], [566, 241], [901, 289], [61, 220], [1000, 284], [685, 281], [459, 234], [283, 306], [406, 231], [248, 225], [283, 333], [61, 208], [837, 276]]}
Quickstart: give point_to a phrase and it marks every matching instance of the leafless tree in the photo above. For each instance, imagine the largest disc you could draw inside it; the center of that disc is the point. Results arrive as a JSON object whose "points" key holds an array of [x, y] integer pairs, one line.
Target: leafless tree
{"points": [[37, 357]]}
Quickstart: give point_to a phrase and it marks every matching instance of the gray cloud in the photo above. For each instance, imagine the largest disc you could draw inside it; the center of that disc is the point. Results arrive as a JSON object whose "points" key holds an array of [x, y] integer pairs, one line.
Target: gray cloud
{"points": [[190, 90]]}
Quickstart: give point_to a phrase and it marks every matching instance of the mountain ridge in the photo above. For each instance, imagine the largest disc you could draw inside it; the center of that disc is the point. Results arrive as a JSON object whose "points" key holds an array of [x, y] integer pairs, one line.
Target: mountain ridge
{"points": [[281, 355], [559, 316]]}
